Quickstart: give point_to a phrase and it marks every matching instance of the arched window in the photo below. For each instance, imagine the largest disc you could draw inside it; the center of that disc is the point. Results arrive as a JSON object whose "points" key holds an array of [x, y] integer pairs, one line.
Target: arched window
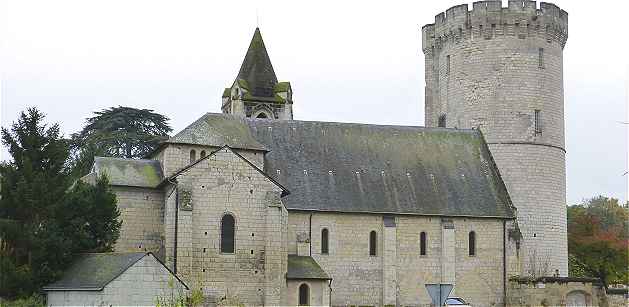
{"points": [[472, 243], [202, 154], [373, 243], [324, 241], [442, 121], [262, 115], [193, 156], [304, 295], [422, 243], [228, 230]]}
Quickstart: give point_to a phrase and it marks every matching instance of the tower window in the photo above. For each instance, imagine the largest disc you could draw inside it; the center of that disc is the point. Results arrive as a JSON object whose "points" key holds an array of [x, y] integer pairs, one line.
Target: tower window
{"points": [[447, 64], [422, 243], [228, 230], [472, 243], [304, 295], [442, 121], [324, 241], [540, 58], [193, 156], [538, 122], [373, 242], [202, 154]]}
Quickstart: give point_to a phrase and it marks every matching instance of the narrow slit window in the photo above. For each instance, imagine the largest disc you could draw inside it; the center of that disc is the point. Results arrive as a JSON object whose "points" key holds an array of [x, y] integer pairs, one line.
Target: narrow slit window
{"points": [[442, 121], [472, 243], [540, 60], [228, 231], [324, 241], [422, 243], [193, 156], [447, 64], [538, 122], [373, 242]]}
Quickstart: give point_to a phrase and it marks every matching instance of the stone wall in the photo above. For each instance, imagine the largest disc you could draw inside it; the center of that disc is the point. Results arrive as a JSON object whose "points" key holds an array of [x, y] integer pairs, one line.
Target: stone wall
{"points": [[226, 184], [142, 216], [319, 292], [560, 291], [140, 285], [483, 70], [360, 279], [174, 157]]}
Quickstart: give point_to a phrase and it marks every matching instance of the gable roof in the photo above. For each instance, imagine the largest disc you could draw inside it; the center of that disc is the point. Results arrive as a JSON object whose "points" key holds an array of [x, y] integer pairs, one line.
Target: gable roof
{"points": [[129, 172], [92, 272], [189, 166], [218, 131], [344, 167], [304, 267], [256, 68]]}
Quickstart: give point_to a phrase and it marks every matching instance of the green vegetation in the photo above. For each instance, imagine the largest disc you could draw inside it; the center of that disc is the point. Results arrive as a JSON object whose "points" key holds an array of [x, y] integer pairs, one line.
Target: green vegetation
{"points": [[121, 132], [45, 217], [598, 240]]}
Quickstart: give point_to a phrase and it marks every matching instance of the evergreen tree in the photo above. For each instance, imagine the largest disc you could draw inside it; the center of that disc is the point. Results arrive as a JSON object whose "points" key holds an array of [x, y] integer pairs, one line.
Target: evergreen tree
{"points": [[44, 220]]}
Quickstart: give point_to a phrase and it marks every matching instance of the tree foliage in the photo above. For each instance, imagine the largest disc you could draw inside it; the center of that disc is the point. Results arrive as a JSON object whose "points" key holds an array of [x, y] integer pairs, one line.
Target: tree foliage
{"points": [[598, 240], [124, 132], [44, 218]]}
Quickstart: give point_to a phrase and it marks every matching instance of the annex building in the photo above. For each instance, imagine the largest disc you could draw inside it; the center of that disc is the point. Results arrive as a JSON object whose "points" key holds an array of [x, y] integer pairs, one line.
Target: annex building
{"points": [[252, 206]]}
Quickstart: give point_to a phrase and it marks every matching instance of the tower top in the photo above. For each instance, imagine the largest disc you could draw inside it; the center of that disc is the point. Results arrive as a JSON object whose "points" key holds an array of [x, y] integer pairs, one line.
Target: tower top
{"points": [[256, 91], [256, 68]]}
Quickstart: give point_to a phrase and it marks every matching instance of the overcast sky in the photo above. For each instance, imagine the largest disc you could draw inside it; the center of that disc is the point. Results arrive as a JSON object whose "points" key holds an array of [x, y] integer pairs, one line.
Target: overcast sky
{"points": [[347, 61]]}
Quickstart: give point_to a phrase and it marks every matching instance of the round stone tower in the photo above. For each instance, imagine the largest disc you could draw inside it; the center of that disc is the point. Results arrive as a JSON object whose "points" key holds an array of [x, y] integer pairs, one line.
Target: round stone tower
{"points": [[500, 69]]}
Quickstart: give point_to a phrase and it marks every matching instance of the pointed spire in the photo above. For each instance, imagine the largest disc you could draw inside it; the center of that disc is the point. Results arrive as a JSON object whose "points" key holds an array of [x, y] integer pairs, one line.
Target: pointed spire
{"points": [[256, 68]]}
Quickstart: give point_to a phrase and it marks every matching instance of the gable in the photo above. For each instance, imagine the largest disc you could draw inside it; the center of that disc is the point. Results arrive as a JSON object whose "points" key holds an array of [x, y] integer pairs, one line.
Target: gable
{"points": [[226, 154], [92, 272]]}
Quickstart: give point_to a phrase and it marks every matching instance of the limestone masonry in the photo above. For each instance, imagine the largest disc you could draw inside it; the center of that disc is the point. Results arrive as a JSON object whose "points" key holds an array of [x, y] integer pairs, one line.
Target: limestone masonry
{"points": [[500, 70], [252, 207]]}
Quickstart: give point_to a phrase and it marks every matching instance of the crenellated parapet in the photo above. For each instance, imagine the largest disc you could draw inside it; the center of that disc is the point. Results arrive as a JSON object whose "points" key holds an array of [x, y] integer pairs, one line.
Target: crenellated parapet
{"points": [[488, 20]]}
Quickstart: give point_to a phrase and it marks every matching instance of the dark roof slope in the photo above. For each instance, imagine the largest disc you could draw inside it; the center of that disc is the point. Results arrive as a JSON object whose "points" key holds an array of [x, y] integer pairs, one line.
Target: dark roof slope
{"points": [[369, 168], [304, 267], [256, 68], [92, 272], [129, 172], [218, 130]]}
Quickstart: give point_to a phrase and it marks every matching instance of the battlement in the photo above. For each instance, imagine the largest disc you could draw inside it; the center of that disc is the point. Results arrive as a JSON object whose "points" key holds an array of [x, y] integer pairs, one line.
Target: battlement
{"points": [[487, 19]]}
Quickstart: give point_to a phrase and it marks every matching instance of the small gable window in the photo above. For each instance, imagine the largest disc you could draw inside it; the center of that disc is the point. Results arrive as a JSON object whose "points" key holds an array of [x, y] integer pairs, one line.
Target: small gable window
{"points": [[193, 156], [202, 154], [422, 243], [262, 115], [373, 243], [324, 241], [472, 243], [228, 230], [304, 295]]}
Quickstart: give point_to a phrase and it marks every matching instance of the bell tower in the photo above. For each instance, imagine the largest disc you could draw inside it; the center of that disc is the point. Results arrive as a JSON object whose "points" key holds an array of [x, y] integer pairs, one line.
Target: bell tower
{"points": [[256, 92]]}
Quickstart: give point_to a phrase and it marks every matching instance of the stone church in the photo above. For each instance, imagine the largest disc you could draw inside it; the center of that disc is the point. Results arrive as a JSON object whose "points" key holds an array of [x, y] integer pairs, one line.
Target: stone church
{"points": [[253, 206]]}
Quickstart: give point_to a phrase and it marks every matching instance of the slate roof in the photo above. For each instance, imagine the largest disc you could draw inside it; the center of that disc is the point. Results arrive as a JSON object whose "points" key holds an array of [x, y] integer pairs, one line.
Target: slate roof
{"points": [[92, 272], [344, 167], [218, 131], [256, 68], [129, 172], [304, 267]]}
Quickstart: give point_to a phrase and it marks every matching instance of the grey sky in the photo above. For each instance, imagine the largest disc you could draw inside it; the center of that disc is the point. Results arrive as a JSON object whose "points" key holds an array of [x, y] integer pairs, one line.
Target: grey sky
{"points": [[349, 61]]}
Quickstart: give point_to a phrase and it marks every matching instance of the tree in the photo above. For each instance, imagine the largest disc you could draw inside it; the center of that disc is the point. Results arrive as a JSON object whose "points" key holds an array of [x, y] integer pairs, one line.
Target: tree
{"points": [[44, 218], [122, 132], [598, 240]]}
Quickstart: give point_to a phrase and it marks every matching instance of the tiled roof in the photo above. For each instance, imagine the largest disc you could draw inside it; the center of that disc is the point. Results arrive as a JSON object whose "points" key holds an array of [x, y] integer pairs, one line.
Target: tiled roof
{"points": [[129, 172]]}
